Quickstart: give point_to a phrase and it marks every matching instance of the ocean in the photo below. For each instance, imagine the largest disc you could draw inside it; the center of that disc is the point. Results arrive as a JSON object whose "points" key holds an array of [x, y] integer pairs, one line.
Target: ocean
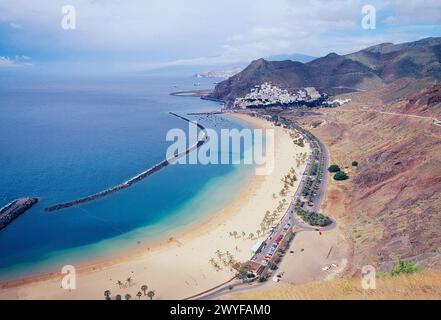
{"points": [[62, 139]]}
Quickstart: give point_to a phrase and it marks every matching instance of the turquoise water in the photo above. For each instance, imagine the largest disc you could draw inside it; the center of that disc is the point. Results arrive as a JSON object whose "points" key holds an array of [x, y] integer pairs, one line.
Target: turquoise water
{"points": [[64, 139]]}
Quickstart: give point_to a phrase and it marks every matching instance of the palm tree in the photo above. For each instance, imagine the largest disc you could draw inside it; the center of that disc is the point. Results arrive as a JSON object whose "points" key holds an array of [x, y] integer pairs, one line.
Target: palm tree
{"points": [[119, 283], [118, 297], [139, 295], [129, 280], [107, 294], [151, 294], [128, 296], [144, 288]]}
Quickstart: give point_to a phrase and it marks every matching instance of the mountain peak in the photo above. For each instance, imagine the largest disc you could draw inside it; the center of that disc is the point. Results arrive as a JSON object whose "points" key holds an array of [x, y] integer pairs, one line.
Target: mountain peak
{"points": [[382, 48], [366, 69], [332, 55], [260, 61]]}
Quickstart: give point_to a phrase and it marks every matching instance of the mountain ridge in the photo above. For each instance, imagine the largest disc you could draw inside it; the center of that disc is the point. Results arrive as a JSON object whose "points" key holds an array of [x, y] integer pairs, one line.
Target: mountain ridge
{"points": [[366, 69]]}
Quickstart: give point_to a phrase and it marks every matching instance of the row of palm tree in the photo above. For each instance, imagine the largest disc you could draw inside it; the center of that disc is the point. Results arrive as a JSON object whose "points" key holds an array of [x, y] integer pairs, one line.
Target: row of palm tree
{"points": [[215, 265], [228, 261], [144, 289], [127, 283], [270, 218]]}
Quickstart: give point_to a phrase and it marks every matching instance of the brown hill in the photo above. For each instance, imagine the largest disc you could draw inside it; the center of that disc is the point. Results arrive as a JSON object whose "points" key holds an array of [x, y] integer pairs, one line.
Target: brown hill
{"points": [[364, 70], [425, 103], [417, 59], [284, 74], [425, 286], [393, 198]]}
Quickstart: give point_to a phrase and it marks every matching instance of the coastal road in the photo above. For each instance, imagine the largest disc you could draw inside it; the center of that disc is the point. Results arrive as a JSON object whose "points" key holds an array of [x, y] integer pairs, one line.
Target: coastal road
{"points": [[324, 164], [290, 217], [434, 121]]}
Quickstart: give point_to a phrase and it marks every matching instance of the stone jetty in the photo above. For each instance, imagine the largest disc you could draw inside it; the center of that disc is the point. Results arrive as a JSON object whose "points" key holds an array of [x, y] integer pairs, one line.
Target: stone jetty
{"points": [[138, 177], [13, 210]]}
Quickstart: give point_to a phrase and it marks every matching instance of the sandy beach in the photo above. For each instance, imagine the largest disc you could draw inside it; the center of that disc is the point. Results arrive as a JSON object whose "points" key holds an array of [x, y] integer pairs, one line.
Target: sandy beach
{"points": [[180, 266]]}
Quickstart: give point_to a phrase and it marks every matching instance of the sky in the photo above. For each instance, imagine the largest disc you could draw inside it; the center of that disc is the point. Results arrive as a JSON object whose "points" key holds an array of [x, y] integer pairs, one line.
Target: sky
{"points": [[141, 35]]}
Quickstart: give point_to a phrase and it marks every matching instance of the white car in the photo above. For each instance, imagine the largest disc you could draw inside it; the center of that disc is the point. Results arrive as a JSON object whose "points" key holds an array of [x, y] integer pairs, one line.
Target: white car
{"points": [[276, 279], [326, 268]]}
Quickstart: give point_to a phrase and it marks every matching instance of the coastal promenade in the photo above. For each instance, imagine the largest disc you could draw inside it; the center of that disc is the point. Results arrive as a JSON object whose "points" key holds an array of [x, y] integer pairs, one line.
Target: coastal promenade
{"points": [[288, 225], [291, 222], [139, 176]]}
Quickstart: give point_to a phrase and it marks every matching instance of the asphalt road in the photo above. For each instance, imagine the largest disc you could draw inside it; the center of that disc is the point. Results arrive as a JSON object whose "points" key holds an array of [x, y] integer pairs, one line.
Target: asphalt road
{"points": [[291, 217]]}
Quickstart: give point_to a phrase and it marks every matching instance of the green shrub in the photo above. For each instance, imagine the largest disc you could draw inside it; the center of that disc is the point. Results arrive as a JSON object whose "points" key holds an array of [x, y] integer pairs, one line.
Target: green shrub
{"points": [[404, 267], [334, 168], [314, 218], [339, 176]]}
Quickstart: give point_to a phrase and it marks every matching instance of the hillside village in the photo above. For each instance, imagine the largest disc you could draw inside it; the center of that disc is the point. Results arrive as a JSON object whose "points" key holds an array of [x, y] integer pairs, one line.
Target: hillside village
{"points": [[267, 95]]}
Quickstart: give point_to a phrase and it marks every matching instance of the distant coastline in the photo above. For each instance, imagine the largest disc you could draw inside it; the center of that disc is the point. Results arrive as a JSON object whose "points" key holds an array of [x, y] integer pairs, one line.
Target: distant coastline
{"points": [[192, 93], [202, 94]]}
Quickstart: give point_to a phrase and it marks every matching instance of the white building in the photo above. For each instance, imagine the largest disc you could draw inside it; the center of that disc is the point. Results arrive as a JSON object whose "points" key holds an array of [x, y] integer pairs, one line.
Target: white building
{"points": [[267, 94]]}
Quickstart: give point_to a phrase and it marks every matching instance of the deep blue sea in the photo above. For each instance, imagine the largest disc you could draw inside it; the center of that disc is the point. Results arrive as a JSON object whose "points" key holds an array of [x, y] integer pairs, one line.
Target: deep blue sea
{"points": [[61, 139]]}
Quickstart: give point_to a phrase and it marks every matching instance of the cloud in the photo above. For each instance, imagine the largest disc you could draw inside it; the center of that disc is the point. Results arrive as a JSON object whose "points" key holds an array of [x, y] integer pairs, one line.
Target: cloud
{"points": [[416, 12], [17, 61], [15, 25], [6, 62], [391, 20], [175, 32]]}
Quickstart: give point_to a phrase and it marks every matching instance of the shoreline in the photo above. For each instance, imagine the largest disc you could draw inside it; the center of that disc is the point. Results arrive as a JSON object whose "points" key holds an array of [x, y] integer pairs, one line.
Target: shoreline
{"points": [[150, 245], [161, 250], [208, 219]]}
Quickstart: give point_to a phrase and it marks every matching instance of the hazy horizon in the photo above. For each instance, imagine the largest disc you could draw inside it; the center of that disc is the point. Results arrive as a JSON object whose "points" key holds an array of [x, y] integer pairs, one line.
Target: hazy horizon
{"points": [[110, 36]]}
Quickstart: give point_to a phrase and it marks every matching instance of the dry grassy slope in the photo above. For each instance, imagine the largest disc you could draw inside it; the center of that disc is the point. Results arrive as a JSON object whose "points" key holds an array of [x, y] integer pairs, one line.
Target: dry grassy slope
{"points": [[426, 285], [392, 201]]}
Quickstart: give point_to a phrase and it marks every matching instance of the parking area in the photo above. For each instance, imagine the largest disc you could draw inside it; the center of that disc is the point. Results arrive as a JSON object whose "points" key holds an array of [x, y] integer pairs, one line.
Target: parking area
{"points": [[313, 257]]}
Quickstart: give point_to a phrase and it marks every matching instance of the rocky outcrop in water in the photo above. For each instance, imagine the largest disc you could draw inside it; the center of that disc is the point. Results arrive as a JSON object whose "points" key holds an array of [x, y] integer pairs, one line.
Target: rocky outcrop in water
{"points": [[13, 210]]}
